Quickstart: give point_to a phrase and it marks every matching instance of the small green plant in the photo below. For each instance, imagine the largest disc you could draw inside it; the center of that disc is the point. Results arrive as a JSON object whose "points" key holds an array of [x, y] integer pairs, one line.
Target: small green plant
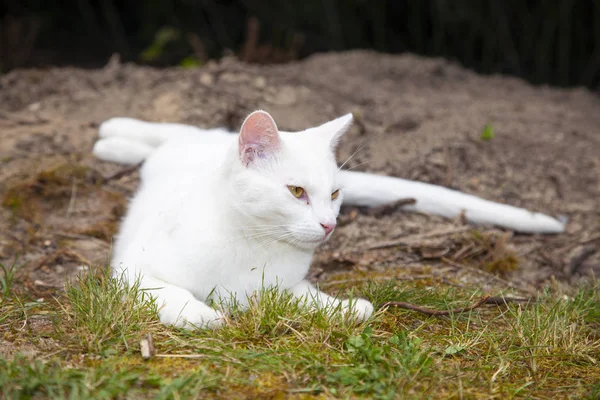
{"points": [[190, 62], [378, 366], [162, 38], [7, 278], [488, 132]]}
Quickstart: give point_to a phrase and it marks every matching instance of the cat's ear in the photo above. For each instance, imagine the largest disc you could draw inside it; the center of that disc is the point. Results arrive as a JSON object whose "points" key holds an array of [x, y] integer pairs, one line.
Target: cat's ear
{"points": [[259, 137], [334, 130]]}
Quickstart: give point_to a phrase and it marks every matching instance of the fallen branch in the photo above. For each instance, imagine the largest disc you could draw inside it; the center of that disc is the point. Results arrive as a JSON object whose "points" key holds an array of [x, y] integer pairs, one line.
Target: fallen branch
{"points": [[387, 209], [590, 240], [122, 173], [16, 119], [504, 300], [579, 258], [487, 299], [376, 279], [78, 236], [428, 311], [70, 254], [412, 240]]}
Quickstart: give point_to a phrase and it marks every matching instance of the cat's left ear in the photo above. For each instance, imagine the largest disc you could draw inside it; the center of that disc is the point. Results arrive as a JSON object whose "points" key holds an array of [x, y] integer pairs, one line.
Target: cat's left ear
{"points": [[335, 129], [259, 138]]}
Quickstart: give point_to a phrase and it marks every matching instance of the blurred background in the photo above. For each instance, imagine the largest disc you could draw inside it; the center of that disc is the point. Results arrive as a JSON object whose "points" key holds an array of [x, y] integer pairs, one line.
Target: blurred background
{"points": [[544, 41]]}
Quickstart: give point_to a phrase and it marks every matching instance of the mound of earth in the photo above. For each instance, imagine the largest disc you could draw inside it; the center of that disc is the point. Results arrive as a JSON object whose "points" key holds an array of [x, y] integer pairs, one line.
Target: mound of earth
{"points": [[417, 118]]}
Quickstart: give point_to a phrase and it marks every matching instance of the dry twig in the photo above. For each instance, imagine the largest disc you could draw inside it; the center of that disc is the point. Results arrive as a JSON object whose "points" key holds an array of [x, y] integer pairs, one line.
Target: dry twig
{"points": [[376, 279], [590, 240], [506, 300], [122, 173], [579, 258], [411, 239], [387, 209], [18, 120], [487, 299], [428, 311], [78, 236], [68, 253]]}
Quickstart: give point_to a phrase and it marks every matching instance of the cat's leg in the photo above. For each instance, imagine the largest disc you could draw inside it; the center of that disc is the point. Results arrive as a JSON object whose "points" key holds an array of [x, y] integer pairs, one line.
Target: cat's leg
{"points": [[121, 150], [151, 133], [361, 309], [180, 308]]}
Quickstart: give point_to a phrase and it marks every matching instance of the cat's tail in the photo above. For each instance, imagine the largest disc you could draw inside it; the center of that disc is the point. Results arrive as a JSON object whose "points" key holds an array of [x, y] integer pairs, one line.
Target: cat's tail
{"points": [[371, 190], [130, 141]]}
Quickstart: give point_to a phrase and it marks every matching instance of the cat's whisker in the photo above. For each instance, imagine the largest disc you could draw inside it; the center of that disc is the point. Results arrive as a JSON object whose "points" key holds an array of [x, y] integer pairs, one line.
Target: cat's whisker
{"points": [[267, 237], [275, 229], [262, 236], [256, 234], [357, 165], [272, 239], [250, 228], [279, 237], [360, 147]]}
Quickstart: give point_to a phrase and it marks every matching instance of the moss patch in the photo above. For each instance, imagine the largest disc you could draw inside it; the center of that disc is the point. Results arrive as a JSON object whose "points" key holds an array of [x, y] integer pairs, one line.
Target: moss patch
{"points": [[52, 187]]}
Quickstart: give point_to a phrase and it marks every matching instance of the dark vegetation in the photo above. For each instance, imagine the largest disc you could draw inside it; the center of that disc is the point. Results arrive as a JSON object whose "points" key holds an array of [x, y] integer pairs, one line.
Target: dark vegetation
{"points": [[544, 41]]}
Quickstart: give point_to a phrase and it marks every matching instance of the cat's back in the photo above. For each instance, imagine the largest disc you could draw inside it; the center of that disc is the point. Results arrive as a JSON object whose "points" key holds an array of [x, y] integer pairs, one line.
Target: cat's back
{"points": [[180, 178], [184, 156], [175, 200]]}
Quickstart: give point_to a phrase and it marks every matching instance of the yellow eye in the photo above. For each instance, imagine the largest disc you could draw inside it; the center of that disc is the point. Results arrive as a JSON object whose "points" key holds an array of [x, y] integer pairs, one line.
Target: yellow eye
{"points": [[335, 194], [297, 191]]}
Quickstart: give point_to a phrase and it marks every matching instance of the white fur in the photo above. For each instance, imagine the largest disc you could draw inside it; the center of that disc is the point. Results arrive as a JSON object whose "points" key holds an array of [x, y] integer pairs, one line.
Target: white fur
{"points": [[203, 224], [374, 190]]}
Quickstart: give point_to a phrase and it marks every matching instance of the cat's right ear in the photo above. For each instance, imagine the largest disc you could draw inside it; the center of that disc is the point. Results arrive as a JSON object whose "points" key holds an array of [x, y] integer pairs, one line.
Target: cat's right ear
{"points": [[259, 137]]}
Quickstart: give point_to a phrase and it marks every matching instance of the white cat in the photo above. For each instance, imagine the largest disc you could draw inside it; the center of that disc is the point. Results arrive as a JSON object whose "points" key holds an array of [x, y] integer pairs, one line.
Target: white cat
{"points": [[220, 215]]}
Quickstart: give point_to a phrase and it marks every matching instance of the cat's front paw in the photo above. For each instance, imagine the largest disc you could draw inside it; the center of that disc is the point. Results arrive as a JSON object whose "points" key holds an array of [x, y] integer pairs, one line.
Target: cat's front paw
{"points": [[194, 314], [360, 309], [123, 127]]}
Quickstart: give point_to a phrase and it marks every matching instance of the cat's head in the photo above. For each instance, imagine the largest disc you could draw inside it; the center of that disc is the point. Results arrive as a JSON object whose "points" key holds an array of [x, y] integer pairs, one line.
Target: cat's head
{"points": [[284, 183]]}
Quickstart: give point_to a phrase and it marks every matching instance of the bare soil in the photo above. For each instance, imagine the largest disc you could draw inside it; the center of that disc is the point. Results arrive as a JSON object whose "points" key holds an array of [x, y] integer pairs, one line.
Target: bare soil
{"points": [[417, 118]]}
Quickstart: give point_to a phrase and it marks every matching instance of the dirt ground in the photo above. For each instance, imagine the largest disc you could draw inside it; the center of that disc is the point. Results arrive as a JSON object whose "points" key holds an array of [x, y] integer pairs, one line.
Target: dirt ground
{"points": [[417, 118]]}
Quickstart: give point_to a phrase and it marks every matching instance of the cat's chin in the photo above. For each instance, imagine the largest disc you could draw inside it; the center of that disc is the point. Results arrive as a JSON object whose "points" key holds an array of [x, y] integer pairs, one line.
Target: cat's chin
{"points": [[308, 244]]}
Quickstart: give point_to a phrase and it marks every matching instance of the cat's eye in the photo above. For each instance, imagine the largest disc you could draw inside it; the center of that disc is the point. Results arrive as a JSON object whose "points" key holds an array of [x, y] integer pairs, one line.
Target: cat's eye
{"points": [[335, 194], [297, 191]]}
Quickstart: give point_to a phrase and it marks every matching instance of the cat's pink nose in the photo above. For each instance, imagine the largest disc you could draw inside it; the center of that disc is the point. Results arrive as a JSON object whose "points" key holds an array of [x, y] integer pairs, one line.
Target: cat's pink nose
{"points": [[328, 228]]}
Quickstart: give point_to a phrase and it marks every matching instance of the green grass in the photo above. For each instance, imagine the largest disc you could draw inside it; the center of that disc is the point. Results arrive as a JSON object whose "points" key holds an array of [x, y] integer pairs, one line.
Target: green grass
{"points": [[7, 277], [85, 344], [103, 314]]}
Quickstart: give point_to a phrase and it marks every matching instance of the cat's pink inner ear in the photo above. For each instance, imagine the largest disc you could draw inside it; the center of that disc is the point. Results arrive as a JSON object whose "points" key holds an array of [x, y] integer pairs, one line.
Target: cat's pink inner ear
{"points": [[259, 137]]}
